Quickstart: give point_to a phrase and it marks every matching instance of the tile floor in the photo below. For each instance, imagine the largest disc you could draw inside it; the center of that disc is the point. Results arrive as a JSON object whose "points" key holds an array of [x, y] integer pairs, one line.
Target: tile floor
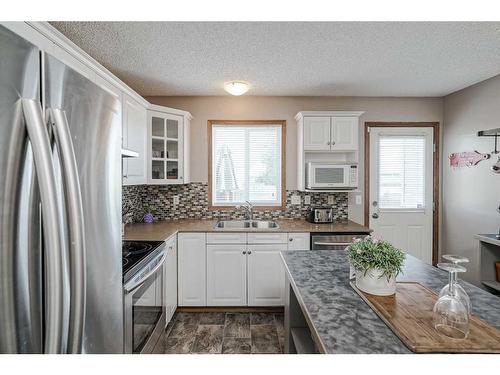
{"points": [[223, 333]]}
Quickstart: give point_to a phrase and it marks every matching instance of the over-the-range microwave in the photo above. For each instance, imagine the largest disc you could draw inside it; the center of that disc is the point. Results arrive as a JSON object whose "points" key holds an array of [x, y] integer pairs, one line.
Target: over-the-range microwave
{"points": [[330, 176]]}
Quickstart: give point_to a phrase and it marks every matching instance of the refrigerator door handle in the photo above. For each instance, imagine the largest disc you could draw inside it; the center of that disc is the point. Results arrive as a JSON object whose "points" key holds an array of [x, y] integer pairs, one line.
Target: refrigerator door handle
{"points": [[74, 206], [42, 155]]}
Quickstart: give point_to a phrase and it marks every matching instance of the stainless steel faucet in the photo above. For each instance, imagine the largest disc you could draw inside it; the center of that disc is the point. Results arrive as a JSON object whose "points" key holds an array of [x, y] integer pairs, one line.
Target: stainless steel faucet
{"points": [[248, 207]]}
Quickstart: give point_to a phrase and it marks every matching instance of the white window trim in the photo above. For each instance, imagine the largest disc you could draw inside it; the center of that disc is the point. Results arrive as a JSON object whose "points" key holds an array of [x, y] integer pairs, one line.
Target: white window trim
{"points": [[281, 201]]}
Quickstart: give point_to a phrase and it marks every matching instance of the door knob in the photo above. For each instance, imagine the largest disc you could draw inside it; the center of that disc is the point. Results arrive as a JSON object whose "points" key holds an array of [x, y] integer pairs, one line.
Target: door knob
{"points": [[375, 215]]}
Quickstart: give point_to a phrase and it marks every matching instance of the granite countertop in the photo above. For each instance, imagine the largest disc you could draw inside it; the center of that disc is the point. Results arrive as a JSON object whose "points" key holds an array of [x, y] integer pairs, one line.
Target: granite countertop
{"points": [[488, 238], [341, 322], [161, 230]]}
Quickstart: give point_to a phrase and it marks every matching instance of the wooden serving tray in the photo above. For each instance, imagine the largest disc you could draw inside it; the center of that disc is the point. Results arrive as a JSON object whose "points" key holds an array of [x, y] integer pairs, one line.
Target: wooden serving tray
{"points": [[408, 314]]}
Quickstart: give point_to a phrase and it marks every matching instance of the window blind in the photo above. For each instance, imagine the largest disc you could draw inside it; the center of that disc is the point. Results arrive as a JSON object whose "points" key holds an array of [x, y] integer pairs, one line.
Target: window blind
{"points": [[246, 164], [401, 172]]}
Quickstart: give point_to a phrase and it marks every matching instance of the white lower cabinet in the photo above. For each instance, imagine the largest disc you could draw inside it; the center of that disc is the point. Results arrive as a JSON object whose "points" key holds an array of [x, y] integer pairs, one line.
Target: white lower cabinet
{"points": [[299, 241], [234, 269], [170, 287], [192, 265], [266, 275], [226, 275]]}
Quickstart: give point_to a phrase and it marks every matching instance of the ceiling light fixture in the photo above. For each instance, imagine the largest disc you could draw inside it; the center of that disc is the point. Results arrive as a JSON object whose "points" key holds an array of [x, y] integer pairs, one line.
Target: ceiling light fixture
{"points": [[236, 87]]}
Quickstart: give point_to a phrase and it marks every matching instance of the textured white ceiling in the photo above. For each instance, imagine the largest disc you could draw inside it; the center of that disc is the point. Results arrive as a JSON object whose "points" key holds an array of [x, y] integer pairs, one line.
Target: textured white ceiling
{"points": [[293, 58]]}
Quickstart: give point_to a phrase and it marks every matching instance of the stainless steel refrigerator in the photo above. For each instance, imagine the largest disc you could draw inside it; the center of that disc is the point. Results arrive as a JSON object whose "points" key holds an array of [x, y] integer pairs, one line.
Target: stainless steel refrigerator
{"points": [[60, 207]]}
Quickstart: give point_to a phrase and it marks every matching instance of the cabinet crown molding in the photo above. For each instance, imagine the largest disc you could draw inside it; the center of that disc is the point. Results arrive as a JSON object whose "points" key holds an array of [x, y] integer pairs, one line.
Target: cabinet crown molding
{"points": [[51, 33], [303, 114], [160, 108]]}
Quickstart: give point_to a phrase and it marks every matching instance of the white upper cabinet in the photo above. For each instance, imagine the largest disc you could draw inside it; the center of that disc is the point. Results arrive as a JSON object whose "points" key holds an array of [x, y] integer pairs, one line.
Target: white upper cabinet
{"points": [[317, 133], [168, 141], [326, 137], [135, 139], [330, 133], [344, 133]]}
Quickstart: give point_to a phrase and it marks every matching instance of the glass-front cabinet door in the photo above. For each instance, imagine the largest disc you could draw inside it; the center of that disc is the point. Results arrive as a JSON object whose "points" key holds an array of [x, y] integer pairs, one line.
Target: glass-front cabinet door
{"points": [[166, 148]]}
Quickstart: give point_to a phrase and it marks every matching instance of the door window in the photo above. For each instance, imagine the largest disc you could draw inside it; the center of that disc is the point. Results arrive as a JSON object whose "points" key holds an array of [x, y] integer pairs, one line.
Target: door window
{"points": [[401, 181]]}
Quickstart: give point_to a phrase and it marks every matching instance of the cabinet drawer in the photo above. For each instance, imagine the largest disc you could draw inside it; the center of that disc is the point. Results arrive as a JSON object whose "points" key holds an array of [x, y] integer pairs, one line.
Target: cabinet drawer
{"points": [[269, 247], [267, 238], [226, 238]]}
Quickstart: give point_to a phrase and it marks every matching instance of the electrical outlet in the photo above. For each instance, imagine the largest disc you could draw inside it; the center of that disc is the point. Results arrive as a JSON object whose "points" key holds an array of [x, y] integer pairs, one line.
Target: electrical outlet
{"points": [[295, 199], [358, 199], [307, 199], [331, 199], [176, 200]]}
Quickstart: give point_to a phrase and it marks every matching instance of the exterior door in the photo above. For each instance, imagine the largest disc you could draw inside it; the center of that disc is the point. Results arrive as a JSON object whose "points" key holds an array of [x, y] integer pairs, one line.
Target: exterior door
{"points": [[317, 133], [401, 188], [266, 275], [226, 275]]}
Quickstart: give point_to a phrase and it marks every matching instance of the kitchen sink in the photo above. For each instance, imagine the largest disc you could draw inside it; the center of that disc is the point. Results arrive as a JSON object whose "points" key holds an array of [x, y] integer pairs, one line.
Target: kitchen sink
{"points": [[245, 224]]}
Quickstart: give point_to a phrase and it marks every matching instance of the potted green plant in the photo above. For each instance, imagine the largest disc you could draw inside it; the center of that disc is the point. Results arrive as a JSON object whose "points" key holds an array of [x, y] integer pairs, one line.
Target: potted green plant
{"points": [[377, 263]]}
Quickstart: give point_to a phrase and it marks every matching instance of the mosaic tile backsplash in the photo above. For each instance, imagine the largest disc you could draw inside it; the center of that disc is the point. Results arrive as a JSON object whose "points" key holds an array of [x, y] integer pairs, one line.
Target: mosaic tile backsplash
{"points": [[193, 204]]}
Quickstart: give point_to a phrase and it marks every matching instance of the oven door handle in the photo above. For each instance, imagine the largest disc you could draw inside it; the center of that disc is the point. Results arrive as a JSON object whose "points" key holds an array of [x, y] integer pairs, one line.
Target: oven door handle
{"points": [[332, 243], [129, 288]]}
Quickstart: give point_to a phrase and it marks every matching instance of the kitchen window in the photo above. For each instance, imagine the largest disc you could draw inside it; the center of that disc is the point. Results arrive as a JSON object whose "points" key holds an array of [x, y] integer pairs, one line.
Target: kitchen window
{"points": [[246, 163]]}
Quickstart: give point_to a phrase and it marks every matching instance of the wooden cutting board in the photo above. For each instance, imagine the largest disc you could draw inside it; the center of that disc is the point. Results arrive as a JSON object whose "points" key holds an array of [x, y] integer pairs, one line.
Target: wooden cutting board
{"points": [[408, 314]]}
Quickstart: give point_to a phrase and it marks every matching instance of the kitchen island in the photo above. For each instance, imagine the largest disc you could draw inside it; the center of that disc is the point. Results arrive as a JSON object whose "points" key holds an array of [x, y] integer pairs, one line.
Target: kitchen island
{"points": [[324, 314]]}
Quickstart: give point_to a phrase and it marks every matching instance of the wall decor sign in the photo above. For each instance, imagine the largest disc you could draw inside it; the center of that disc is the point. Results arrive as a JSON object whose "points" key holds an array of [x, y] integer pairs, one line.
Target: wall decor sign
{"points": [[467, 158]]}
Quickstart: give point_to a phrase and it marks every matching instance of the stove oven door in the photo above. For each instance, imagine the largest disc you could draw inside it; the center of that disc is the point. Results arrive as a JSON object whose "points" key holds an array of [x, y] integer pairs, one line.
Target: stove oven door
{"points": [[144, 314]]}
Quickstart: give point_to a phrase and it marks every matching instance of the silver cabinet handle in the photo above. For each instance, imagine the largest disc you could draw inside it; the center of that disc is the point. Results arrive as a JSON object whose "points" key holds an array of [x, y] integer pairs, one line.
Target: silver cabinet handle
{"points": [[332, 243], [332, 143], [290, 239], [42, 155], [249, 252], [375, 215], [76, 228], [244, 252]]}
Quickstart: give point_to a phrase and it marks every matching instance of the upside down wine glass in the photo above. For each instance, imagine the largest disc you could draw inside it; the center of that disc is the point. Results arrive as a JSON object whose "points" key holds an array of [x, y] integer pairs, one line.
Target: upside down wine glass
{"points": [[458, 289], [450, 314]]}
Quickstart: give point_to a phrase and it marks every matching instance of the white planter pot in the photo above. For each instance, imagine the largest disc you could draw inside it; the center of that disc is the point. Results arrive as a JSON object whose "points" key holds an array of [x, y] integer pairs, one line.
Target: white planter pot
{"points": [[373, 283]]}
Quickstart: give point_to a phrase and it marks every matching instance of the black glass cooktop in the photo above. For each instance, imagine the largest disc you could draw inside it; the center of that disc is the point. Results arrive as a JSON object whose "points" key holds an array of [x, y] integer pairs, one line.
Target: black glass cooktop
{"points": [[134, 252]]}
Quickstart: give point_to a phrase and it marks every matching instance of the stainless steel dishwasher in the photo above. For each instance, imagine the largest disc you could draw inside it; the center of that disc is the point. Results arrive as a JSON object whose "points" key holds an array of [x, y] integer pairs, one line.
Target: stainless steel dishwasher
{"points": [[330, 241]]}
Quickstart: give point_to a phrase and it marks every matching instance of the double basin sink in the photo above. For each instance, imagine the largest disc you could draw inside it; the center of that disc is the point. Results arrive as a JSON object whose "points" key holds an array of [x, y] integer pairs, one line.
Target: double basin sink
{"points": [[245, 224]]}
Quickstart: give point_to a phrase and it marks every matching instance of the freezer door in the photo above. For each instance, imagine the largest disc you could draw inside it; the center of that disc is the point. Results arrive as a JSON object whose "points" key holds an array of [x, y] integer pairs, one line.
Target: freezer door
{"points": [[93, 116]]}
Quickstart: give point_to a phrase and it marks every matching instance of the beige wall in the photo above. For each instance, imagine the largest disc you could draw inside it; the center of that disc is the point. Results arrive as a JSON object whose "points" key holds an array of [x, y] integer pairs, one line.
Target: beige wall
{"points": [[470, 195], [285, 108]]}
